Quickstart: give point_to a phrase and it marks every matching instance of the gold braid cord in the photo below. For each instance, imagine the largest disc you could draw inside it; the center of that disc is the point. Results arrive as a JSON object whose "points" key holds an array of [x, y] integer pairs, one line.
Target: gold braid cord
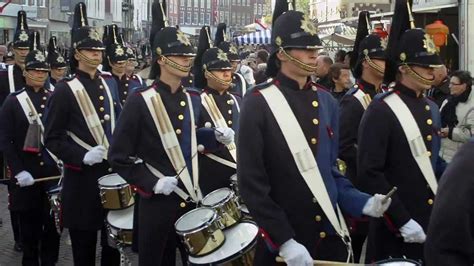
{"points": [[300, 64]]}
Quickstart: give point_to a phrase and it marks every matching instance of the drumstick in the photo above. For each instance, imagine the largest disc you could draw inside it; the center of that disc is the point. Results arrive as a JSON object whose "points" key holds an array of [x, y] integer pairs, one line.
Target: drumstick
{"points": [[45, 179], [319, 262], [389, 194], [182, 169]]}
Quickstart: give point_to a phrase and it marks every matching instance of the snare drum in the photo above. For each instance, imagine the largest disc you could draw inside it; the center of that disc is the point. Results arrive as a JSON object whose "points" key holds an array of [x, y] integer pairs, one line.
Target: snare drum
{"points": [[238, 249], [398, 262], [226, 204], [200, 231], [115, 192], [54, 196], [120, 225]]}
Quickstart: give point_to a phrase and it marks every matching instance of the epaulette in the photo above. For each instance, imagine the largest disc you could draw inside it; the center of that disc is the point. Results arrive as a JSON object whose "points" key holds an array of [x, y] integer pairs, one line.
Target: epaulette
{"points": [[263, 85], [68, 78], [15, 93], [353, 90], [105, 74], [381, 96]]}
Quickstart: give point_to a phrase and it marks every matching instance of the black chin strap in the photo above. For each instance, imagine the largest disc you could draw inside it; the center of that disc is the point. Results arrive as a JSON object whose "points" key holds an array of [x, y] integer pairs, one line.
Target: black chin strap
{"points": [[300, 64], [218, 80], [175, 65], [417, 76]]}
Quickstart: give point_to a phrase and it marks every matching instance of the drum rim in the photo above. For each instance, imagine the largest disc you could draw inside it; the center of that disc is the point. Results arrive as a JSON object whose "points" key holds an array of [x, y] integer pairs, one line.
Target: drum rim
{"points": [[235, 255], [197, 229], [232, 193], [112, 174], [398, 260]]}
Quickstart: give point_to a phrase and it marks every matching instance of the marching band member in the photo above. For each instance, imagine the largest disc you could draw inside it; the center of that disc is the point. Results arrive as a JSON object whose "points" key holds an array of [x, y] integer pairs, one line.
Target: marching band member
{"points": [[213, 75], [398, 142], [21, 143], [239, 86], [56, 62], [79, 125], [155, 144], [287, 153], [116, 60], [367, 65], [12, 78]]}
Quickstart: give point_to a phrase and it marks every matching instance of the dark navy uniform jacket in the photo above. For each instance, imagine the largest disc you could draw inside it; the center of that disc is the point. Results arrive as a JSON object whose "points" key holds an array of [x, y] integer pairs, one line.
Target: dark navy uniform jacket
{"points": [[127, 85], [5, 84], [13, 130], [214, 175], [269, 181], [239, 84], [136, 137], [82, 208], [351, 112], [450, 239], [385, 161]]}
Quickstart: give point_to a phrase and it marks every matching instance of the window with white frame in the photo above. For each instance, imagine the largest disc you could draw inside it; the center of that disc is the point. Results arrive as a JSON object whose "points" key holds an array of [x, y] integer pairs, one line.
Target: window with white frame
{"points": [[181, 17], [188, 18]]}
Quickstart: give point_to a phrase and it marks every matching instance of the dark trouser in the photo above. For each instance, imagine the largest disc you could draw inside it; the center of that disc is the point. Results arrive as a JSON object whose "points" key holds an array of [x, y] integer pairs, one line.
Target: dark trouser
{"points": [[158, 238], [84, 246], [359, 232], [330, 248], [39, 237], [385, 244], [15, 221]]}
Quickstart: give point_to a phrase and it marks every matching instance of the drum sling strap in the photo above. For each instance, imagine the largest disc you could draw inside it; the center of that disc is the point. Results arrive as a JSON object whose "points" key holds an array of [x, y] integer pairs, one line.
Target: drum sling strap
{"points": [[11, 78], [363, 98], [243, 82], [90, 115], [216, 116], [414, 138], [33, 118], [171, 144], [305, 161]]}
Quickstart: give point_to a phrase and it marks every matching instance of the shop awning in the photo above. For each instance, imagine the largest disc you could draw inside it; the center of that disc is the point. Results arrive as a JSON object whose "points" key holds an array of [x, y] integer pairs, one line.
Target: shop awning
{"points": [[259, 37]]}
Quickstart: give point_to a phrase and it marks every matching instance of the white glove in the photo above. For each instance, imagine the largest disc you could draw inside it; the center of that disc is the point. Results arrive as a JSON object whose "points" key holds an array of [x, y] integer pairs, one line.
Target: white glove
{"points": [[224, 135], [95, 155], [295, 254], [374, 206], [24, 179], [165, 185], [412, 232]]}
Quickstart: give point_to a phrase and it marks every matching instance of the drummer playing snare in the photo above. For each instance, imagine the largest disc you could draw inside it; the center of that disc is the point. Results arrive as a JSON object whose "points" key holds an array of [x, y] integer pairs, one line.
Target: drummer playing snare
{"points": [[287, 150], [155, 145]]}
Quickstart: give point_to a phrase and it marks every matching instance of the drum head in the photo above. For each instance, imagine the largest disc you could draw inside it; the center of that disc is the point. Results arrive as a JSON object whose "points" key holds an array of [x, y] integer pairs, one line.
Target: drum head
{"points": [[122, 219], [237, 238], [111, 180], [216, 197], [398, 262], [194, 219]]}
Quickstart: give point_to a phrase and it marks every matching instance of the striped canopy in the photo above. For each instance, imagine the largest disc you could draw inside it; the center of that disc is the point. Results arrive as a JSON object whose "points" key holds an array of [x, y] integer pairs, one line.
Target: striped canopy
{"points": [[258, 37]]}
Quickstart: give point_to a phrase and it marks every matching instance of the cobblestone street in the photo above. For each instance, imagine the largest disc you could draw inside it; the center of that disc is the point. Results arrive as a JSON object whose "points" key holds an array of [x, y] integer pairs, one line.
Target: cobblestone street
{"points": [[10, 257]]}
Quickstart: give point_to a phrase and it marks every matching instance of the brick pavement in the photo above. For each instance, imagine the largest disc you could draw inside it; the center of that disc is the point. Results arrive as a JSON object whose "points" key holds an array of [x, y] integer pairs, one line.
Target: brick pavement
{"points": [[9, 257]]}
